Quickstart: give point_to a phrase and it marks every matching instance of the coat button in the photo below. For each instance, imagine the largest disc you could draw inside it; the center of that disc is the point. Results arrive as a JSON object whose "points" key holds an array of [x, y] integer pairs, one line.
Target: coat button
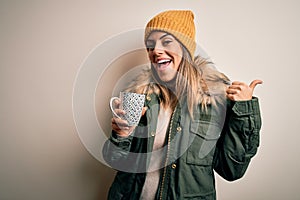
{"points": [[152, 133], [148, 98], [178, 129], [173, 166]]}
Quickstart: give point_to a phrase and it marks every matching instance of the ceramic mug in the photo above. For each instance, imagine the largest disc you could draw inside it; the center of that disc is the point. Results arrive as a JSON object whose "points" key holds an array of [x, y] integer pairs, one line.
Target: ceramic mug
{"points": [[132, 104]]}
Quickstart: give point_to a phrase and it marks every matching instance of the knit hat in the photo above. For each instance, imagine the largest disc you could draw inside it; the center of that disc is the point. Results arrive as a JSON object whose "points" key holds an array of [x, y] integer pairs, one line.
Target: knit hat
{"points": [[179, 23]]}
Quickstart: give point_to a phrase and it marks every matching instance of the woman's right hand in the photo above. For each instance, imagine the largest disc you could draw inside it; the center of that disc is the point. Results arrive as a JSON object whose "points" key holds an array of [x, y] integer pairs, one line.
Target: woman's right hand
{"points": [[120, 126]]}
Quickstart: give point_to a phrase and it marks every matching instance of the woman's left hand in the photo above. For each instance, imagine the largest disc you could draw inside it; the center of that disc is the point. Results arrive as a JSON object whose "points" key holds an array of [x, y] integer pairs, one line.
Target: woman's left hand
{"points": [[239, 91]]}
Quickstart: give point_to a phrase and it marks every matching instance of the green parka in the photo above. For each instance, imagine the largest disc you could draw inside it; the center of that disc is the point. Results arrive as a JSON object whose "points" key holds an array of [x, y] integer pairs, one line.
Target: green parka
{"points": [[222, 138]]}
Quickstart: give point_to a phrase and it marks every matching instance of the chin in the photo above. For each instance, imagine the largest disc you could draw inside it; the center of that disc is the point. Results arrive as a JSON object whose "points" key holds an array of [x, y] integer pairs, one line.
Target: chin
{"points": [[165, 79]]}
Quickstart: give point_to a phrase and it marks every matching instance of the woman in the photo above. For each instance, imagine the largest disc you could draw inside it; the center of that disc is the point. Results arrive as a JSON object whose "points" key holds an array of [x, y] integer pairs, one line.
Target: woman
{"points": [[194, 121]]}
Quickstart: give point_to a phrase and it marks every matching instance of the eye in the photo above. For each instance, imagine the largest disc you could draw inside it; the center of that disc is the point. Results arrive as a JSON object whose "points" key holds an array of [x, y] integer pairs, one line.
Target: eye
{"points": [[166, 42], [150, 46]]}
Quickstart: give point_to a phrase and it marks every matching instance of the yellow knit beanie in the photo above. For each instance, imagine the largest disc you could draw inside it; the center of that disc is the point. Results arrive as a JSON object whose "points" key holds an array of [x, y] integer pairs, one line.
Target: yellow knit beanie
{"points": [[179, 23]]}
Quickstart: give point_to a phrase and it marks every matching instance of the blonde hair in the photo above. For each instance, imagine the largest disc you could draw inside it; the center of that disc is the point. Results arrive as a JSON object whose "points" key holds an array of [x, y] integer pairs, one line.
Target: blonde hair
{"points": [[189, 85]]}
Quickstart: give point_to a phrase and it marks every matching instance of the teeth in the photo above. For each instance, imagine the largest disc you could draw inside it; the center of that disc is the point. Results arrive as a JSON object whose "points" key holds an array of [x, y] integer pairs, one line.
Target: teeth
{"points": [[163, 61]]}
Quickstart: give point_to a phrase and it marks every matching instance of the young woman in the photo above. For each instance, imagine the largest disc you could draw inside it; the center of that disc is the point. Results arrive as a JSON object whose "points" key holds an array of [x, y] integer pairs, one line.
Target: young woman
{"points": [[194, 121]]}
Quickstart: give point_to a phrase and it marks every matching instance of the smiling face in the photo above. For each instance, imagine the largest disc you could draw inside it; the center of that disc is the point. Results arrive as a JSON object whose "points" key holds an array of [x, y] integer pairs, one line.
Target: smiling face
{"points": [[165, 54]]}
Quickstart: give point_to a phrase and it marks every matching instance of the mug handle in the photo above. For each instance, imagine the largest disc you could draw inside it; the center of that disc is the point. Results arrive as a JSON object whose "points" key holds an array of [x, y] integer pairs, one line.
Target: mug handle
{"points": [[111, 106]]}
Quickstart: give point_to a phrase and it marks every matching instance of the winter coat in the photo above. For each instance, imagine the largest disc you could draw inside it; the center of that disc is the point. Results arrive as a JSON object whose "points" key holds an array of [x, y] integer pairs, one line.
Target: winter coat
{"points": [[222, 138]]}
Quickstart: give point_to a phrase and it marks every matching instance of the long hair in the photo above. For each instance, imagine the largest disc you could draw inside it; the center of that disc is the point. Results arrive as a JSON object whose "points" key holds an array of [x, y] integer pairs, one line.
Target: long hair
{"points": [[188, 82], [190, 85]]}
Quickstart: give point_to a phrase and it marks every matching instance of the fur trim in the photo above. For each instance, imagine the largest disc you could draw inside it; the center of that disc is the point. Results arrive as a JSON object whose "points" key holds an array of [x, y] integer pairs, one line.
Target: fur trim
{"points": [[213, 83]]}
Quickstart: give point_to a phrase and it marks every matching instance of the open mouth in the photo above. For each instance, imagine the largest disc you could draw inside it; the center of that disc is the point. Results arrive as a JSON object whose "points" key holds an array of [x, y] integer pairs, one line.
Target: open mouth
{"points": [[162, 64]]}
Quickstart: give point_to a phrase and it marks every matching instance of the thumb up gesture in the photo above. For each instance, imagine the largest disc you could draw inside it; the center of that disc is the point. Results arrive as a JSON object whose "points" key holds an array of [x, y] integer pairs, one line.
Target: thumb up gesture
{"points": [[239, 91]]}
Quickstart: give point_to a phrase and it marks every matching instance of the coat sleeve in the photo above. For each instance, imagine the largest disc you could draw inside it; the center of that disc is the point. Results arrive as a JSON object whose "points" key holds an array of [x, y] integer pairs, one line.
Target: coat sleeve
{"points": [[116, 150], [239, 139]]}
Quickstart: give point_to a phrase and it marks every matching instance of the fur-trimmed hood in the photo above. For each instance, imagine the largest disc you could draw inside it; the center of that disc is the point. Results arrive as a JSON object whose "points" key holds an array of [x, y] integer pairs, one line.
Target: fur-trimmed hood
{"points": [[213, 82]]}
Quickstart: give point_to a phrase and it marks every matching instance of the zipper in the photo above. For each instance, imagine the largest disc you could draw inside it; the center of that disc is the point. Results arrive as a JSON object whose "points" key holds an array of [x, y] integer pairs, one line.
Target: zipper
{"points": [[166, 161]]}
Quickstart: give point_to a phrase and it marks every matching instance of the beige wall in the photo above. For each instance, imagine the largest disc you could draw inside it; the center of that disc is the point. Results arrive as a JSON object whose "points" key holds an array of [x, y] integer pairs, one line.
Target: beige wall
{"points": [[44, 43]]}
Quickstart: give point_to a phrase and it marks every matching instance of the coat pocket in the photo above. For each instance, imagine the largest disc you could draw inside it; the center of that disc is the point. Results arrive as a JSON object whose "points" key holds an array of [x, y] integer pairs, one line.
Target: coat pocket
{"points": [[203, 138]]}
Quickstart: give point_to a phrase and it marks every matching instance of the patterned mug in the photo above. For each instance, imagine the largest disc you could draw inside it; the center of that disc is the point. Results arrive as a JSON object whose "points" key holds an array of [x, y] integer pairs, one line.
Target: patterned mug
{"points": [[132, 104]]}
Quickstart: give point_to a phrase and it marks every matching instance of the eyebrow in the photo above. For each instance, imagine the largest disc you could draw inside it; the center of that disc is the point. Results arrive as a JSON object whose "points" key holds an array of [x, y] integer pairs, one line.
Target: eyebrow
{"points": [[164, 36]]}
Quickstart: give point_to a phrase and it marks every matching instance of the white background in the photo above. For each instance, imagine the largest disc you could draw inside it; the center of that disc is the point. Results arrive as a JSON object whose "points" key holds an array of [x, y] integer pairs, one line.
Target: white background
{"points": [[44, 43]]}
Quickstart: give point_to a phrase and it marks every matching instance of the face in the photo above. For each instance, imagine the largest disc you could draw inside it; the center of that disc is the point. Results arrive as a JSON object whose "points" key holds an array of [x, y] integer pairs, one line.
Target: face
{"points": [[165, 54]]}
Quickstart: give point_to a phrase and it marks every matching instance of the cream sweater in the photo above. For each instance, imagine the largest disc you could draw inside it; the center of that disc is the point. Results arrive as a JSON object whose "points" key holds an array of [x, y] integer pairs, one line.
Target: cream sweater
{"points": [[157, 159]]}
